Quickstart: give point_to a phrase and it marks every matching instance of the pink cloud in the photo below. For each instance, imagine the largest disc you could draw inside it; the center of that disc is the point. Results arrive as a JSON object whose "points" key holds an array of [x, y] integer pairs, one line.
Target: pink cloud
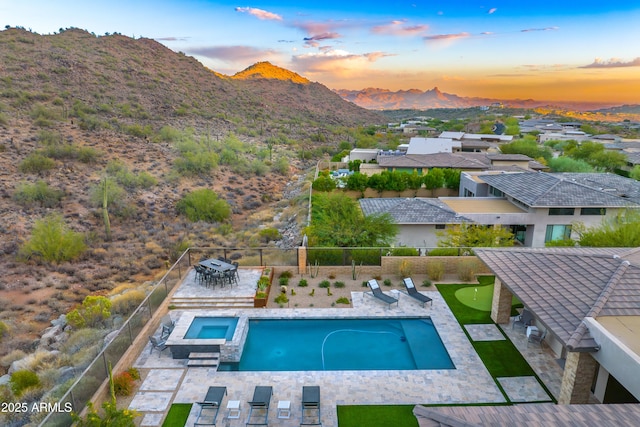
{"points": [[492, 10], [528, 30], [234, 53], [438, 37], [335, 61], [259, 13], [613, 63], [399, 28]]}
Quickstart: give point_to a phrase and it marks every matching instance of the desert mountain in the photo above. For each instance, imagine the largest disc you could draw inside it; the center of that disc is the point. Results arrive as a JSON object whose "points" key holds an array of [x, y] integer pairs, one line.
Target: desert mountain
{"points": [[414, 99]]}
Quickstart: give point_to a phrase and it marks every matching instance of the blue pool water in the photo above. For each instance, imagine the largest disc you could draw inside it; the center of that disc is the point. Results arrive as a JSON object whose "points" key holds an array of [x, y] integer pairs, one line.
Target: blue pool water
{"points": [[212, 327], [342, 344]]}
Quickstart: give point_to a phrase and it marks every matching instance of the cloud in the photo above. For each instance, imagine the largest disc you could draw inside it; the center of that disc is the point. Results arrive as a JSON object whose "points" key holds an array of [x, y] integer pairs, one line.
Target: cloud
{"points": [[259, 13], [613, 63], [399, 28], [323, 36], [492, 10], [172, 39], [438, 37], [335, 61], [528, 30], [233, 53]]}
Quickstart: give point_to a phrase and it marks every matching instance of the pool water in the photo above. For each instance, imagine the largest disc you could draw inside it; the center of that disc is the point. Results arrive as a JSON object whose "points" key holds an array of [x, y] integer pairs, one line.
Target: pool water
{"points": [[342, 344], [212, 328]]}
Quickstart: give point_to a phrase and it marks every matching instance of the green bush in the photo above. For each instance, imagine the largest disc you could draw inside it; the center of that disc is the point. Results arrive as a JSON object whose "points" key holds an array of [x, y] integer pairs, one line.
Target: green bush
{"points": [[37, 194], [283, 281], [338, 284], [281, 298], [303, 283], [123, 384], [387, 282], [204, 205], [287, 273], [435, 269], [444, 252], [36, 163], [116, 196], [325, 256], [324, 284], [22, 380], [52, 241], [403, 251], [4, 330], [426, 283], [343, 300], [92, 313], [127, 302], [269, 234]]}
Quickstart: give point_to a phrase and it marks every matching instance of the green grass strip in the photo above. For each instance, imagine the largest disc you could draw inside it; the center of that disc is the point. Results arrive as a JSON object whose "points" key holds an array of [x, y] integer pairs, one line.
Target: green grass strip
{"points": [[502, 359], [376, 416], [177, 415]]}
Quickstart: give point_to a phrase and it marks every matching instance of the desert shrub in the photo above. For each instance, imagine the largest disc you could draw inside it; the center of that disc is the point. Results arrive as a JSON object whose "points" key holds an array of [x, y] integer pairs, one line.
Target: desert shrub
{"points": [[324, 284], [36, 163], [427, 283], [4, 330], [269, 234], [338, 284], [116, 195], [467, 270], [435, 269], [342, 300], [287, 273], [47, 137], [12, 356], [127, 302], [123, 384], [405, 268], [387, 282], [22, 380], [303, 283], [263, 283], [282, 298], [39, 193], [93, 312], [135, 373], [204, 205], [283, 281], [53, 241]]}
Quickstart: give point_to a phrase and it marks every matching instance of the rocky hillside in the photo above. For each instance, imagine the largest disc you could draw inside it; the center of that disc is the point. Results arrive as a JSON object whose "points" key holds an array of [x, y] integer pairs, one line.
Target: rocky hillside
{"points": [[90, 107]]}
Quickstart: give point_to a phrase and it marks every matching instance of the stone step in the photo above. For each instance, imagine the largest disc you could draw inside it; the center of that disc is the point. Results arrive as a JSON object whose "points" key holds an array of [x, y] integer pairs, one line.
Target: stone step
{"points": [[203, 355], [212, 304], [202, 363]]}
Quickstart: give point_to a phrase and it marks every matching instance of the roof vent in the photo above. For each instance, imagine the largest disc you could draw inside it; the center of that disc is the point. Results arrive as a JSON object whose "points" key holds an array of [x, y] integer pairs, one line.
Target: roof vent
{"points": [[616, 256]]}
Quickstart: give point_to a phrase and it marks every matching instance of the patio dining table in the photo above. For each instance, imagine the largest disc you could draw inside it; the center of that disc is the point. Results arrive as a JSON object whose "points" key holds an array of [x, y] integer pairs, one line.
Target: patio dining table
{"points": [[217, 265]]}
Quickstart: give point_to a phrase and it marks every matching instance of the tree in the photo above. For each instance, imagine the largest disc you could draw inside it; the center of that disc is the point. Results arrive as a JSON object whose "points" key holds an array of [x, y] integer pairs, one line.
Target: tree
{"points": [[622, 231], [635, 173], [434, 179], [527, 147], [474, 235], [567, 164], [93, 312], [337, 220], [204, 205], [452, 178], [52, 241], [608, 161], [357, 181], [324, 183]]}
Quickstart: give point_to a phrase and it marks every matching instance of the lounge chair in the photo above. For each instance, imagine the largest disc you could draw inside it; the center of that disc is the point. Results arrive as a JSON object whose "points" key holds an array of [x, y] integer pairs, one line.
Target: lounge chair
{"points": [[259, 406], [157, 343], [525, 319], [210, 406], [413, 292], [167, 327], [311, 406], [377, 292]]}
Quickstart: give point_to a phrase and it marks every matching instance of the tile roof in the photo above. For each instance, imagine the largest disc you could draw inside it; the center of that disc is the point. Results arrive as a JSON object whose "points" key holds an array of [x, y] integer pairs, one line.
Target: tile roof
{"points": [[541, 189], [562, 286], [610, 183], [436, 160], [418, 210], [545, 414]]}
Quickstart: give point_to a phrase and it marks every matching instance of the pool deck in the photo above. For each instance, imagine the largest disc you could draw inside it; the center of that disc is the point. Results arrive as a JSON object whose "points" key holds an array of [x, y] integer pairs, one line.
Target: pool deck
{"points": [[170, 381]]}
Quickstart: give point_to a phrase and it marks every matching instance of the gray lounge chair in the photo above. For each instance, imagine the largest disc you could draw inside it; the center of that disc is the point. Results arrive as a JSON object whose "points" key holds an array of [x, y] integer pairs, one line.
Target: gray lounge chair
{"points": [[259, 406], [525, 319], [157, 343], [311, 406], [537, 337], [413, 292], [210, 406], [377, 292]]}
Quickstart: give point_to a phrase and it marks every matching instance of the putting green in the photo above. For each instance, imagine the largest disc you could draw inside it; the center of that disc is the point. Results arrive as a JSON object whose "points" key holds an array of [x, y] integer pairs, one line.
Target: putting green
{"points": [[478, 297]]}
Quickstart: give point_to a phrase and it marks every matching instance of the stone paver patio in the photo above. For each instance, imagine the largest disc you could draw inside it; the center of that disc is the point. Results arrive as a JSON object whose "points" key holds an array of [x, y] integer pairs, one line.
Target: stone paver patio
{"points": [[170, 381]]}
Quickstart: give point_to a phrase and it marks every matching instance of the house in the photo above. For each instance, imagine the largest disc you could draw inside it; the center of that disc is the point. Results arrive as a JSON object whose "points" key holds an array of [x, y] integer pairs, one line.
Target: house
{"points": [[432, 145], [419, 218], [588, 302]]}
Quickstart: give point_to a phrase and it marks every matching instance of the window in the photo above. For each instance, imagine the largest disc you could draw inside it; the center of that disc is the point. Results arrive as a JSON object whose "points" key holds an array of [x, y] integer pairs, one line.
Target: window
{"points": [[593, 211], [561, 211], [495, 192], [440, 226], [557, 232], [469, 193]]}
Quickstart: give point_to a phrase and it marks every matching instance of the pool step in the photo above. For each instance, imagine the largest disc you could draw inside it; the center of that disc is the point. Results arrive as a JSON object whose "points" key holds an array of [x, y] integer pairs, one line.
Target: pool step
{"points": [[204, 360]]}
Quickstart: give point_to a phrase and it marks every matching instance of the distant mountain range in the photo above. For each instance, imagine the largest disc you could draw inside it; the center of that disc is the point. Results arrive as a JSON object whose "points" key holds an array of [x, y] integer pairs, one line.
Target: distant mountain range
{"points": [[414, 99]]}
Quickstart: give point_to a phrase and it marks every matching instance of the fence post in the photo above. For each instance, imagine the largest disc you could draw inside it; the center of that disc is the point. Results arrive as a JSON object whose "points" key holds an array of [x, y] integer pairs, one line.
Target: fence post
{"points": [[260, 251]]}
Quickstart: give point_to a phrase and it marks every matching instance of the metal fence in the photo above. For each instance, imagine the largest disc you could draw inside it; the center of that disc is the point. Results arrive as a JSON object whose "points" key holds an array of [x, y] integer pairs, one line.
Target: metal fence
{"points": [[90, 380]]}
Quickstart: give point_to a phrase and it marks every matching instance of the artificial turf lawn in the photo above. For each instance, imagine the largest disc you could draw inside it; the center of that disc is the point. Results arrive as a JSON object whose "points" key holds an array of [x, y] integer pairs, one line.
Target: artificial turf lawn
{"points": [[377, 416], [177, 415], [502, 359]]}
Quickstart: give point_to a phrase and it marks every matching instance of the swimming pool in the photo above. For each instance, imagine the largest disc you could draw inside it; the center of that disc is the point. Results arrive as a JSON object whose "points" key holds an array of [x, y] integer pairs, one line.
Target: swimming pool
{"points": [[342, 344], [212, 327]]}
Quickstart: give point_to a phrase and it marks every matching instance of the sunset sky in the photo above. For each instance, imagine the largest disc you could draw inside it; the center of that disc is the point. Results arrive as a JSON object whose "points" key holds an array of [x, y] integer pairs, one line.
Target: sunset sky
{"points": [[545, 50]]}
